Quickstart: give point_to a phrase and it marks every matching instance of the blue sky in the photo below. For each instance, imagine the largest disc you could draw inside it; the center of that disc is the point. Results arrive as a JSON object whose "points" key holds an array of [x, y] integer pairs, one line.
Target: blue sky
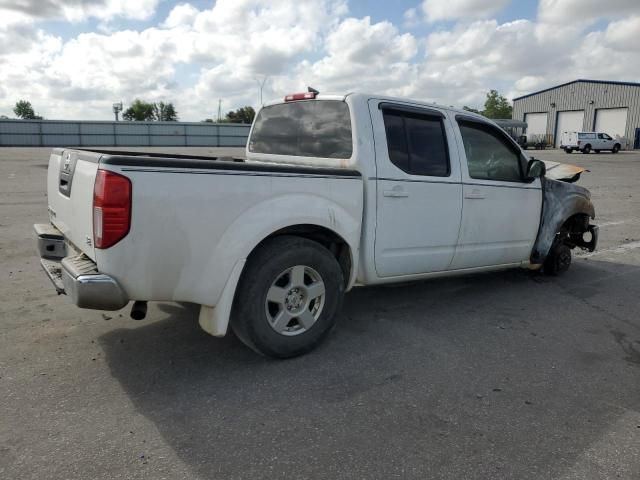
{"points": [[73, 59]]}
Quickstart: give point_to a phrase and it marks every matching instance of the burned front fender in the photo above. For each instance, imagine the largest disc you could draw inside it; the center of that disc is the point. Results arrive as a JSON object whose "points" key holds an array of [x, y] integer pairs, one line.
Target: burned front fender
{"points": [[561, 201]]}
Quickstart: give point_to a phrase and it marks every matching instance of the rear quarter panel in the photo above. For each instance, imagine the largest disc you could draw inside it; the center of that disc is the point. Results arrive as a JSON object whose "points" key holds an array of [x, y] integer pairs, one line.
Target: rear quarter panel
{"points": [[189, 228]]}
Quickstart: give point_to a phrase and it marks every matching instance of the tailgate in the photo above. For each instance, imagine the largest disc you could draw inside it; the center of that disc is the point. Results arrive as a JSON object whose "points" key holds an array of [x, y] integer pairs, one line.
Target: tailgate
{"points": [[70, 181]]}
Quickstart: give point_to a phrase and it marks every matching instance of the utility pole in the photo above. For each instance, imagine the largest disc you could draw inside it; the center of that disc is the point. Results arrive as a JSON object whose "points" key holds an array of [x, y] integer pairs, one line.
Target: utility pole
{"points": [[219, 110]]}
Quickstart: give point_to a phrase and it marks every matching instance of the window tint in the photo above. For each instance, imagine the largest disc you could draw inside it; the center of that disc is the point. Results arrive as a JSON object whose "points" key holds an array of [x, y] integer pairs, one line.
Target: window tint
{"points": [[600, 136], [417, 143], [320, 128], [489, 156]]}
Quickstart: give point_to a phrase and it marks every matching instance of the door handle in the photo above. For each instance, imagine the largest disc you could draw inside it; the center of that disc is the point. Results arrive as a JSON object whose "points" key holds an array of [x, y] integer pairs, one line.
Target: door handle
{"points": [[475, 195], [395, 193]]}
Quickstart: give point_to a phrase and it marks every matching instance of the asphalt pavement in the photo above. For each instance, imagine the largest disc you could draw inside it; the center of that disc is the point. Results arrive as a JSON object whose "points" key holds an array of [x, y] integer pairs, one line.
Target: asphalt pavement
{"points": [[509, 375]]}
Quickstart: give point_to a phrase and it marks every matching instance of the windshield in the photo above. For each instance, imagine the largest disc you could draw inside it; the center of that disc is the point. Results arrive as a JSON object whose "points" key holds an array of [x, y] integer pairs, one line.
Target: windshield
{"points": [[320, 128]]}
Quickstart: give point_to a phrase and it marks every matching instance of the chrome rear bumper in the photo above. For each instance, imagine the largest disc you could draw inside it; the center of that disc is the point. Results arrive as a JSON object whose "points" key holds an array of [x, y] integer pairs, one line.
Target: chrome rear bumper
{"points": [[77, 275]]}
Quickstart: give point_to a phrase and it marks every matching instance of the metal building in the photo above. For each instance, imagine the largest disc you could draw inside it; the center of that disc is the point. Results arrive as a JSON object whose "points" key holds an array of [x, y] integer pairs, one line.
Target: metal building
{"points": [[61, 133], [582, 105]]}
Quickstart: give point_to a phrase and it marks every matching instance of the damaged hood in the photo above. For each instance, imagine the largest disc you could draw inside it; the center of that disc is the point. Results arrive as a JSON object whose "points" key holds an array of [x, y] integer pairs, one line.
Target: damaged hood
{"points": [[563, 171]]}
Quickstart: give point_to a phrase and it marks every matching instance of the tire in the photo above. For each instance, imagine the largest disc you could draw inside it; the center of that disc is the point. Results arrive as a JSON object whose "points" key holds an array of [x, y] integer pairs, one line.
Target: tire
{"points": [[276, 311], [558, 260], [597, 151], [616, 148], [586, 149], [567, 150]]}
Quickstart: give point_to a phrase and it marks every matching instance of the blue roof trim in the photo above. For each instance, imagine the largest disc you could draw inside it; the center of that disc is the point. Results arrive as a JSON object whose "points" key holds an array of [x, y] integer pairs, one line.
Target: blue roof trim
{"points": [[580, 80]]}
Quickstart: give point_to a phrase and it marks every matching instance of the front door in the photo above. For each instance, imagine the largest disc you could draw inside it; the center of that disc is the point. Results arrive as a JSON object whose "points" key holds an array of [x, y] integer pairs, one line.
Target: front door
{"points": [[419, 194], [501, 212]]}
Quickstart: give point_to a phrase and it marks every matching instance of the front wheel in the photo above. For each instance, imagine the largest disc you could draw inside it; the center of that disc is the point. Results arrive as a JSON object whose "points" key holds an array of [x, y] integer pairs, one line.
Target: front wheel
{"points": [[558, 260], [616, 148], [288, 297]]}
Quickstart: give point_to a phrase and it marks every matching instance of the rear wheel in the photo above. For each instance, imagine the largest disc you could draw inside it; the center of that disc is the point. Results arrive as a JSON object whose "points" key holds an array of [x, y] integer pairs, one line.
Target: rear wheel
{"points": [[597, 151], [616, 148], [567, 150], [558, 260], [586, 149], [288, 297]]}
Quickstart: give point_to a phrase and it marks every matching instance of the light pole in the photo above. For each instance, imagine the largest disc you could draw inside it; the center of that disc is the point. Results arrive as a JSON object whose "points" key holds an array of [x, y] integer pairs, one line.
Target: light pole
{"points": [[117, 108], [261, 85]]}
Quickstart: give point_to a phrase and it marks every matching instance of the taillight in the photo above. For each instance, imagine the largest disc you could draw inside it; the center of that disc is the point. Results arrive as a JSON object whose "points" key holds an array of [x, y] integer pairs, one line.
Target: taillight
{"points": [[111, 208]]}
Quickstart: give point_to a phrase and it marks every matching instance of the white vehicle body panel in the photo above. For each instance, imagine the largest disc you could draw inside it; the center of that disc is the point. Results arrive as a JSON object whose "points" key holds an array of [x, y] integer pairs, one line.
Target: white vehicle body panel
{"points": [[425, 209], [73, 215], [497, 220], [192, 235]]}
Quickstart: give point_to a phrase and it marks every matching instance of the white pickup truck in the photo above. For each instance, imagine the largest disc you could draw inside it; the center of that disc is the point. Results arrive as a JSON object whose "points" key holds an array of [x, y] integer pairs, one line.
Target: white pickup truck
{"points": [[336, 191], [585, 142]]}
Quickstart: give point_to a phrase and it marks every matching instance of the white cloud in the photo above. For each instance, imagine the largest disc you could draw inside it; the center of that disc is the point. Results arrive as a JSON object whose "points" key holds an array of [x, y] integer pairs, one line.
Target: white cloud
{"points": [[435, 10], [76, 10], [624, 35], [196, 56], [411, 18], [182, 15], [361, 56], [563, 12]]}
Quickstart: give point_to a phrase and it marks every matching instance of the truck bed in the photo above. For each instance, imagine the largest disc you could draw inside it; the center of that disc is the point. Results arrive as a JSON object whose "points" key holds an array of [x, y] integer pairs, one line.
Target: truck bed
{"points": [[193, 217]]}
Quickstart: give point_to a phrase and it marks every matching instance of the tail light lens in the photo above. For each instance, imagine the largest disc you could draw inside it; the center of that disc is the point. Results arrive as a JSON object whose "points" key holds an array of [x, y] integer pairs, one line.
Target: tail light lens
{"points": [[111, 208]]}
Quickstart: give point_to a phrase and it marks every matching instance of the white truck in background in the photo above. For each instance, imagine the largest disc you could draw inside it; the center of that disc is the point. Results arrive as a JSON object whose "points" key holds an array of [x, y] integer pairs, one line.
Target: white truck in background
{"points": [[336, 191], [585, 142]]}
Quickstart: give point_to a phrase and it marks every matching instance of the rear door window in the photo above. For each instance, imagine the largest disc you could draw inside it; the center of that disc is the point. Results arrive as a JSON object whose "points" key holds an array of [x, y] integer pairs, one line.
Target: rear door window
{"points": [[317, 128], [417, 143]]}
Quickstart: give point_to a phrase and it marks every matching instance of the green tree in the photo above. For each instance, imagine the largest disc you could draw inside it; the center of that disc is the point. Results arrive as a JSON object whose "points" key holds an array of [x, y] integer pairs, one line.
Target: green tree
{"points": [[496, 106], [242, 115], [165, 112], [140, 111], [24, 110]]}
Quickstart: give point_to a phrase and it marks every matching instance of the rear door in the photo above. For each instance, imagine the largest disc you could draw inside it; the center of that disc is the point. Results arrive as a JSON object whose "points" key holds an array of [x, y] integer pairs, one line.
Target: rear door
{"points": [[501, 212], [419, 194]]}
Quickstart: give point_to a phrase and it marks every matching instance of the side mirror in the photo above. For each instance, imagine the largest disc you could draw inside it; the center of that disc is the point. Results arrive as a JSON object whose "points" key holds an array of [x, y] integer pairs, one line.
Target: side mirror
{"points": [[536, 169]]}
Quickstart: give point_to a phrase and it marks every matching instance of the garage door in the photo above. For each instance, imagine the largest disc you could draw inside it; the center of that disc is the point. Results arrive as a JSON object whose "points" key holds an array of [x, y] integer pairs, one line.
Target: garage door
{"points": [[536, 126], [612, 121], [569, 122]]}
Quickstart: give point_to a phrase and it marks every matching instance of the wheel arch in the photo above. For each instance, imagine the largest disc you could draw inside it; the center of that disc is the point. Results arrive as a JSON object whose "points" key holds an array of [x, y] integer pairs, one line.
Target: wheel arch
{"points": [[326, 237], [564, 204], [325, 222]]}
